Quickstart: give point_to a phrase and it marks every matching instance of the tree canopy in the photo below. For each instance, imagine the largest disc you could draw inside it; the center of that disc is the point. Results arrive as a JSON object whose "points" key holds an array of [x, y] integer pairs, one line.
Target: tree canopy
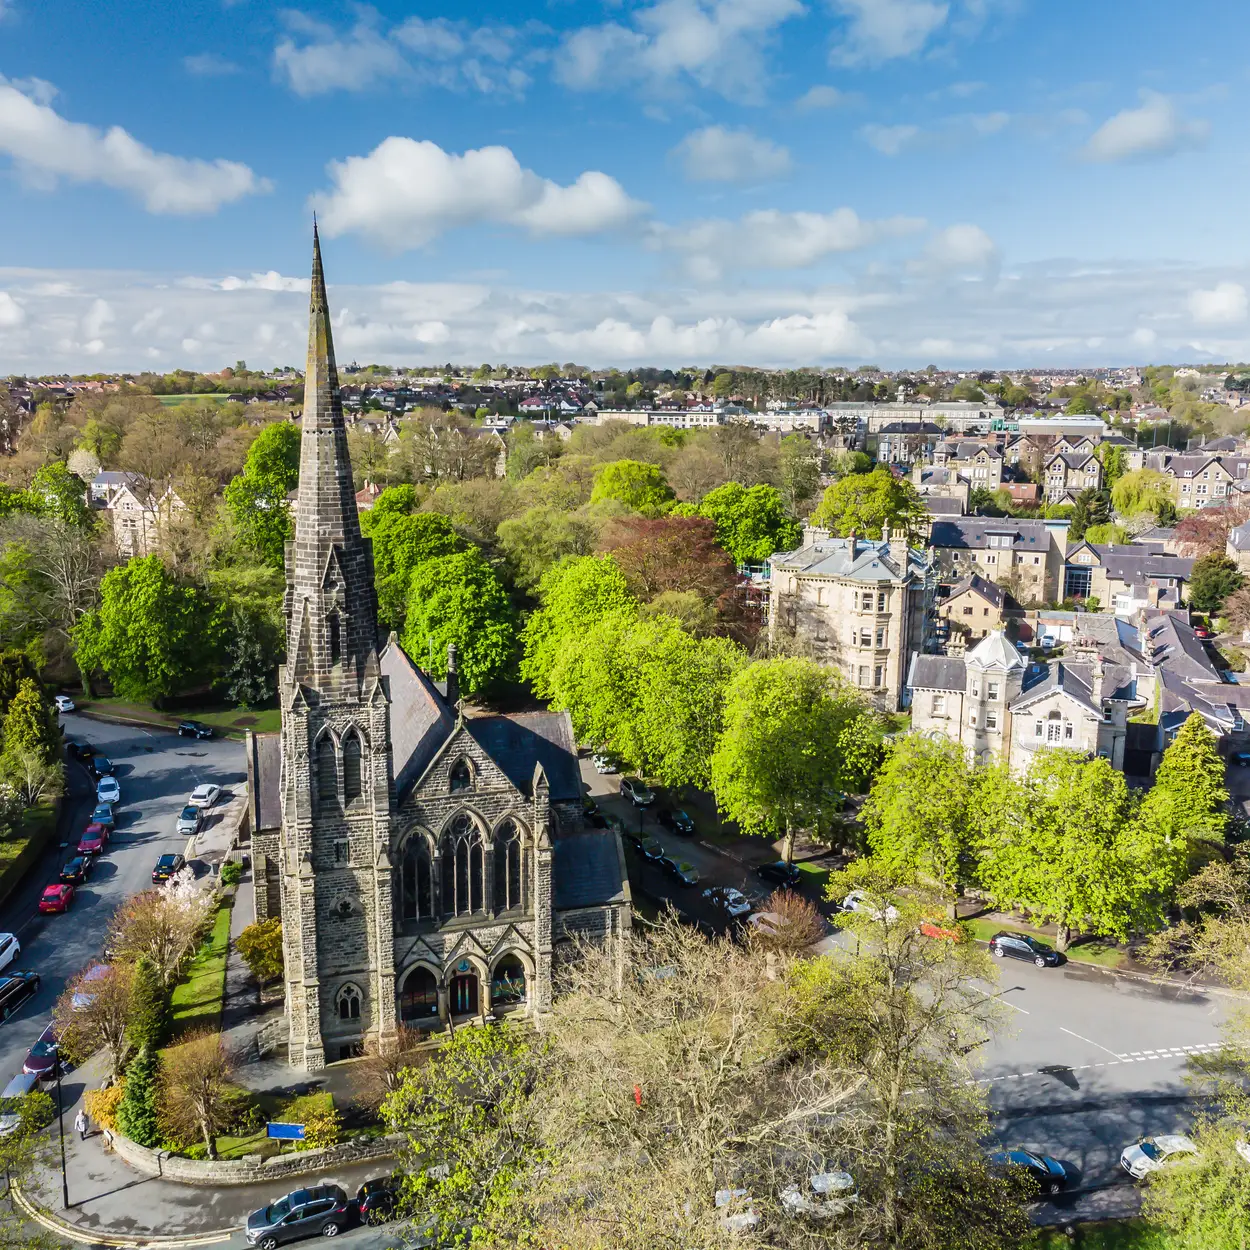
{"points": [[866, 502], [751, 523], [639, 486], [1213, 579]]}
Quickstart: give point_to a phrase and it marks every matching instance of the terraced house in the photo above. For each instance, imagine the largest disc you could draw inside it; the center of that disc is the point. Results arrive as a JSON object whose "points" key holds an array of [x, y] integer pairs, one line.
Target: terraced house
{"points": [[427, 865]]}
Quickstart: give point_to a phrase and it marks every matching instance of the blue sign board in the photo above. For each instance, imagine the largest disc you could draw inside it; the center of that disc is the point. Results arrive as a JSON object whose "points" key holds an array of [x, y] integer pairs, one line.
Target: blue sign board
{"points": [[285, 1132]]}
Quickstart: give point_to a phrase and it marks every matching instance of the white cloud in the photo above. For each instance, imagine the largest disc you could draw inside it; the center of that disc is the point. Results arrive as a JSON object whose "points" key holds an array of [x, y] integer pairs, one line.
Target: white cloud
{"points": [[11, 312], [1155, 128], [715, 44], [1224, 304], [314, 58], [271, 281], [715, 154], [959, 249], [406, 192], [881, 30], [888, 140], [209, 65], [821, 97], [46, 147], [770, 239]]}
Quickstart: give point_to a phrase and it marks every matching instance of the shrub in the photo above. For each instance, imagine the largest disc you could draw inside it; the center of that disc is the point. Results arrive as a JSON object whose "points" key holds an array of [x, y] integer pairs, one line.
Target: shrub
{"points": [[149, 1009], [136, 1113], [317, 1113], [231, 872], [260, 945], [102, 1104], [37, 1111]]}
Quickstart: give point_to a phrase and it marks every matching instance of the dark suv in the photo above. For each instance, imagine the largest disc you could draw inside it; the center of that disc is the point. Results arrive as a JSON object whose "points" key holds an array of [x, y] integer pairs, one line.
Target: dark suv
{"points": [[194, 729], [322, 1211], [376, 1200], [1020, 946], [781, 873]]}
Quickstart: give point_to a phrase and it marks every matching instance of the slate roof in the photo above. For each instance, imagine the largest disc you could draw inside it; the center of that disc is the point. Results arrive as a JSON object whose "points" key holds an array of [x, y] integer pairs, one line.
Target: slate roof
{"points": [[1239, 537], [967, 533], [1173, 645], [860, 560], [264, 774], [518, 743], [910, 427], [967, 450], [936, 672], [1117, 639], [586, 870], [421, 719], [991, 592], [939, 505]]}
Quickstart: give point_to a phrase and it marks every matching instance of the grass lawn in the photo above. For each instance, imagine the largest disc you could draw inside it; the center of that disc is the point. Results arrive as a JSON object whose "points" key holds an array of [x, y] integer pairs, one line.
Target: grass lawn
{"points": [[1123, 1235], [20, 851], [224, 720], [1092, 951], [279, 1107], [197, 998], [172, 401], [814, 876]]}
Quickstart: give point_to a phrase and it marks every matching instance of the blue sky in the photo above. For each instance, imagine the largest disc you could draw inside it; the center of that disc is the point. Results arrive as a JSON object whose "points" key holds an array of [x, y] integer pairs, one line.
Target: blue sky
{"points": [[971, 183]]}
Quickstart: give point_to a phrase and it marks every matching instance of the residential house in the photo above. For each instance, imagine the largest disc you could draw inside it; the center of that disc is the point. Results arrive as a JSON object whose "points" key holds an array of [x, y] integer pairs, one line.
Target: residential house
{"points": [[979, 464], [1024, 556], [1237, 547], [975, 607], [860, 605], [1198, 479], [1067, 473], [905, 442], [135, 509], [1126, 577]]}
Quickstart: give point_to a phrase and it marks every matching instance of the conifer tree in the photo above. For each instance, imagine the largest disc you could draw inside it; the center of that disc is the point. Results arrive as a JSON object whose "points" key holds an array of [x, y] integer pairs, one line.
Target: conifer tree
{"points": [[137, 1113]]}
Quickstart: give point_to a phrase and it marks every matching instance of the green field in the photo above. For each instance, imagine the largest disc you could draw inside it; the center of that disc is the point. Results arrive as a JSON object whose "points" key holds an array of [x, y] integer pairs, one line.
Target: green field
{"points": [[197, 998], [225, 720], [172, 401]]}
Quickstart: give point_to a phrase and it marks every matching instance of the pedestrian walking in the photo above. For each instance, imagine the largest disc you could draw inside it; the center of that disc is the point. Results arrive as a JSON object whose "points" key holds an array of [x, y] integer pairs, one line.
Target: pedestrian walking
{"points": [[80, 1123]]}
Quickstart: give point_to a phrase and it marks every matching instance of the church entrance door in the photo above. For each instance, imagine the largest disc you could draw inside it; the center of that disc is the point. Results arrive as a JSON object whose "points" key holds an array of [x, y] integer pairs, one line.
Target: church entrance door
{"points": [[464, 995]]}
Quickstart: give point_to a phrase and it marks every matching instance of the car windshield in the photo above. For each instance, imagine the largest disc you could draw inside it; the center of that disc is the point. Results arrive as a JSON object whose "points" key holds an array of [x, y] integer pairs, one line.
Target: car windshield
{"points": [[42, 1050], [1025, 1156], [165, 861], [1150, 1150], [189, 813], [277, 1211]]}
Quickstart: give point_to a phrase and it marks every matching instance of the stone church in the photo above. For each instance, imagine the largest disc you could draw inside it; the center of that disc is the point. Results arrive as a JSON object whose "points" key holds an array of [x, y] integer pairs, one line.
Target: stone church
{"points": [[428, 865]]}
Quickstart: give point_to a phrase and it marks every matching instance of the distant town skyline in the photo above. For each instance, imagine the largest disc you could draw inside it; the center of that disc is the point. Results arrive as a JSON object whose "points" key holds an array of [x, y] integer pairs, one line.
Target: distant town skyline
{"points": [[979, 184]]}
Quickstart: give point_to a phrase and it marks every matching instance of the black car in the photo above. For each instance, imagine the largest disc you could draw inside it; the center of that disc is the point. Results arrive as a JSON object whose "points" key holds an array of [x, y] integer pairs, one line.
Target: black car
{"points": [[194, 729], [782, 873], [678, 821], [166, 866], [376, 1200], [1240, 758], [680, 870], [647, 846], [592, 815], [15, 989], [1020, 946], [1049, 1174], [302, 1213], [77, 870], [100, 766]]}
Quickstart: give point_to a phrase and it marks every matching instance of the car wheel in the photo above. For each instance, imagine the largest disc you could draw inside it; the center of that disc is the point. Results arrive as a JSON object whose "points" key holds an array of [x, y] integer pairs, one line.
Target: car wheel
{"points": [[330, 1230], [1054, 1187], [999, 952], [269, 1243], [1040, 962]]}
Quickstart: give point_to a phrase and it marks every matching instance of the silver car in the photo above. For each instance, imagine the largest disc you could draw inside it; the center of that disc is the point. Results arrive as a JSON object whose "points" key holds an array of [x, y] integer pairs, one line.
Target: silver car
{"points": [[189, 820]]}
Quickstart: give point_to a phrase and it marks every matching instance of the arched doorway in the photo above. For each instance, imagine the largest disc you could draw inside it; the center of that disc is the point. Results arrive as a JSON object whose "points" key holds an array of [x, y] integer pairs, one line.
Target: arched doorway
{"points": [[418, 1000], [507, 982], [463, 994]]}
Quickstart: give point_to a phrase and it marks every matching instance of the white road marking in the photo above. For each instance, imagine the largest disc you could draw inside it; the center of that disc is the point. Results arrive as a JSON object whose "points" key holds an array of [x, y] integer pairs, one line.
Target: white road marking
{"points": [[1087, 1041]]}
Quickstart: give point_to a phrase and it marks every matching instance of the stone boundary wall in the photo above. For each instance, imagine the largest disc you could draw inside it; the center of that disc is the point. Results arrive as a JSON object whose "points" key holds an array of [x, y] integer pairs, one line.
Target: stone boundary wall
{"points": [[251, 1169]]}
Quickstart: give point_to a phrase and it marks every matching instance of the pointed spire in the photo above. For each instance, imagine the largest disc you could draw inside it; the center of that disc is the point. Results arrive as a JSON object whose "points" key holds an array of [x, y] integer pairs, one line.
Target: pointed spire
{"points": [[321, 380]]}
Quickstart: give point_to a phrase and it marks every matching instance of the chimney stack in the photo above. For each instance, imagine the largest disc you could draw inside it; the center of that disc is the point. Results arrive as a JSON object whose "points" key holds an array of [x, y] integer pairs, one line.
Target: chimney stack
{"points": [[453, 681], [850, 539]]}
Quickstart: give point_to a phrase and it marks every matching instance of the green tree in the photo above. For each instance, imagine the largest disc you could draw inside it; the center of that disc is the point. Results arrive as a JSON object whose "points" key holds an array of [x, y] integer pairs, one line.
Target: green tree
{"points": [[1080, 405], [16, 667], [459, 598], [639, 486], [401, 544], [866, 502], [917, 815], [393, 501], [777, 764], [1189, 799], [137, 1111], [1213, 579], [249, 673], [260, 947], [150, 635], [751, 524], [798, 471], [540, 538], [1114, 463], [30, 724], [1142, 490], [61, 495], [257, 497], [149, 1006], [1092, 507], [575, 594]]}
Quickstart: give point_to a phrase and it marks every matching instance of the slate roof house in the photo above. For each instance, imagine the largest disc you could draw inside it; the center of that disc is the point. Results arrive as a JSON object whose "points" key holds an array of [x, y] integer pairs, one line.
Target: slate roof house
{"points": [[427, 865]]}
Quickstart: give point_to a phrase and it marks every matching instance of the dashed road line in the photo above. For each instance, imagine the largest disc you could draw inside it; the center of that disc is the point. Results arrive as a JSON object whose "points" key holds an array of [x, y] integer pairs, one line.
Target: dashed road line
{"points": [[1199, 1048]]}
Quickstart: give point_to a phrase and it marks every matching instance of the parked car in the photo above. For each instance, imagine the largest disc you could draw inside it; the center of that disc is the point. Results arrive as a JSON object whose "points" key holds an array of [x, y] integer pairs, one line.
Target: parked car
{"points": [[93, 840], [15, 989], [680, 870], [204, 796], [676, 820], [1007, 945], [302, 1213], [189, 821], [636, 791], [732, 902], [1240, 758], [1149, 1154], [103, 815], [63, 703], [166, 866], [76, 871], [592, 815], [108, 791], [1051, 1176], [1200, 632], [603, 763], [194, 729], [647, 846], [20, 1085], [100, 766], [782, 873], [826, 1195], [43, 1058], [10, 949], [376, 1200], [858, 901], [56, 898]]}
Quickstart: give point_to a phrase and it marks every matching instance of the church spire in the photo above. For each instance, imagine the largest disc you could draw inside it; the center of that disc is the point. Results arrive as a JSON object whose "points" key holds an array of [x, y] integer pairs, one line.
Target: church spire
{"points": [[332, 607]]}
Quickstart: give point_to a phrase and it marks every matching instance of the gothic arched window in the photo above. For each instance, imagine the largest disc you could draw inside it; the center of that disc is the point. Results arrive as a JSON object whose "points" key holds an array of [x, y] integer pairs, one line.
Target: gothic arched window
{"points": [[461, 776], [462, 868], [336, 644], [351, 768], [511, 868], [416, 877], [327, 771], [349, 1003]]}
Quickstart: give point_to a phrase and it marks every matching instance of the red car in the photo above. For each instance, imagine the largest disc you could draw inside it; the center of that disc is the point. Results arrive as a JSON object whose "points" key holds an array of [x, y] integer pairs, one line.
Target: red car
{"points": [[1199, 632], [56, 898], [93, 839]]}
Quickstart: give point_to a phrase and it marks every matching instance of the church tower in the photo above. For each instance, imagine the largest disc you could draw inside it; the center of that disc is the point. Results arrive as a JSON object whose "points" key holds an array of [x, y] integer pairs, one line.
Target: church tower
{"points": [[337, 790]]}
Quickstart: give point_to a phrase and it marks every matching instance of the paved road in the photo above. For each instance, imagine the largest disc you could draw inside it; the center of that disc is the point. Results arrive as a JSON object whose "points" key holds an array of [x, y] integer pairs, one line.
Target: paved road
{"points": [[156, 770]]}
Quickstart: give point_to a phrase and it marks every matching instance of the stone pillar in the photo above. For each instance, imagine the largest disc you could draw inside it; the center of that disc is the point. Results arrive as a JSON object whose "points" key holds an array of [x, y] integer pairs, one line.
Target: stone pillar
{"points": [[544, 918], [385, 1007]]}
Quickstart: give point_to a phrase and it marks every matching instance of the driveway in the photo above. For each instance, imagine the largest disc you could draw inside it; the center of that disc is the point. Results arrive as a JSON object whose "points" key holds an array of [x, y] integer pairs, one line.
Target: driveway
{"points": [[156, 770]]}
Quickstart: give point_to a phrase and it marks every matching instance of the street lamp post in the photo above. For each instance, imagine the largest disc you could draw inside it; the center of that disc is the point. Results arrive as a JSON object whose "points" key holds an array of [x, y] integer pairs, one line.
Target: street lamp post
{"points": [[60, 1123]]}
